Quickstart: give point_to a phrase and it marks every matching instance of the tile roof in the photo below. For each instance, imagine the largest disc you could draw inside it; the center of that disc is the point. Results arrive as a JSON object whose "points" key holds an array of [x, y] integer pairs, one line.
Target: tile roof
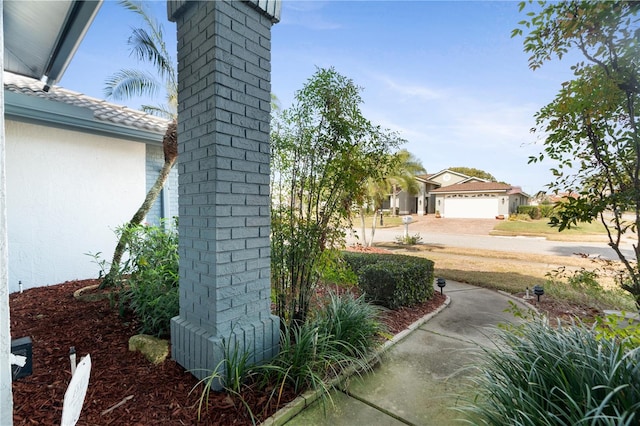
{"points": [[102, 110], [474, 186]]}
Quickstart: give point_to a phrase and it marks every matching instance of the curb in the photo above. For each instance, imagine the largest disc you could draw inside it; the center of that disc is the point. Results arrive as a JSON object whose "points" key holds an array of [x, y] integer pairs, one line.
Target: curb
{"points": [[293, 408]]}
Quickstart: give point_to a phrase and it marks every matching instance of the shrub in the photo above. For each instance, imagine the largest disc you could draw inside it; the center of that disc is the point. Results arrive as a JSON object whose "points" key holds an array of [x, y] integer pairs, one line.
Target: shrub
{"points": [[541, 375], [619, 327], [532, 211], [546, 210], [520, 217], [152, 291], [393, 280], [409, 240]]}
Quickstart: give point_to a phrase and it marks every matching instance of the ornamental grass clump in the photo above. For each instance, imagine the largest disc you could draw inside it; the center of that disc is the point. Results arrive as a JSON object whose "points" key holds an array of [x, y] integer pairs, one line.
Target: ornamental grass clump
{"points": [[337, 337], [541, 375], [353, 321]]}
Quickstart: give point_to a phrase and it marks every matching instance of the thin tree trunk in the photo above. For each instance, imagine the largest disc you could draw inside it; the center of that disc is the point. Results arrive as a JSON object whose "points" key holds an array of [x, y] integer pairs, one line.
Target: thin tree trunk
{"points": [[394, 200], [373, 227], [364, 230], [170, 146]]}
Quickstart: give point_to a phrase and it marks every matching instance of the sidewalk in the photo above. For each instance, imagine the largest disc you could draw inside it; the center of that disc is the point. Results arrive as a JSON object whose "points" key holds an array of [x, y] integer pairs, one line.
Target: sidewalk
{"points": [[418, 379]]}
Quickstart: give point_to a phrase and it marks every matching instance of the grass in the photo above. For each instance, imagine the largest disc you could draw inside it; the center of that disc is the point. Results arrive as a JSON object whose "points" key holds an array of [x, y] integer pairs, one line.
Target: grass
{"points": [[514, 272], [388, 221], [583, 232]]}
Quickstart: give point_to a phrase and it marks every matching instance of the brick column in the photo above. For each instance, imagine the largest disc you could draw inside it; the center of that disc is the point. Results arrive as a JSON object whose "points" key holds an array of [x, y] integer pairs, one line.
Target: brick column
{"points": [[224, 94]]}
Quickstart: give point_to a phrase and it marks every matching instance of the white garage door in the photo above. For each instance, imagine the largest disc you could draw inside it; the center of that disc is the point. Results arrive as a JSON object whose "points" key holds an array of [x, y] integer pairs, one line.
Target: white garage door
{"points": [[472, 208]]}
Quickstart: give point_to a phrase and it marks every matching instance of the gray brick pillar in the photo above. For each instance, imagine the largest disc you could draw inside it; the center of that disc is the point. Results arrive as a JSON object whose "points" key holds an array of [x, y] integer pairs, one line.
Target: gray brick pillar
{"points": [[224, 94]]}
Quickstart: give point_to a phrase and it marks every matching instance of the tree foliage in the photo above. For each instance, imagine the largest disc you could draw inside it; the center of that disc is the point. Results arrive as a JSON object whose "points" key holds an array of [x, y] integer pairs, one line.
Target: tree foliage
{"points": [[323, 153], [400, 175], [470, 171], [147, 45], [591, 127]]}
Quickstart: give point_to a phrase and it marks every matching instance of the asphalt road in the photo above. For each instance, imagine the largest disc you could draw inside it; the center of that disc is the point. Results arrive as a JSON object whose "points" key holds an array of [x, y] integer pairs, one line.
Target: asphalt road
{"points": [[536, 245]]}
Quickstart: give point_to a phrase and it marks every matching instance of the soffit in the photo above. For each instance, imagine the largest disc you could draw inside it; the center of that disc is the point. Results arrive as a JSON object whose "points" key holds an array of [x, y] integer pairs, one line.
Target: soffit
{"points": [[40, 37]]}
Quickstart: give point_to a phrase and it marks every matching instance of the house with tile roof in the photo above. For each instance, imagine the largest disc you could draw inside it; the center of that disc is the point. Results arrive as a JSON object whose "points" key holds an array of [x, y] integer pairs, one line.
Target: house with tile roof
{"points": [[456, 195], [77, 167]]}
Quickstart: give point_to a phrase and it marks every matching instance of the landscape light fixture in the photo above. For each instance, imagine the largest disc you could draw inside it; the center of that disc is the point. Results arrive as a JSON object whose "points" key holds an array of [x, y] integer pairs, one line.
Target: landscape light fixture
{"points": [[441, 282], [538, 291]]}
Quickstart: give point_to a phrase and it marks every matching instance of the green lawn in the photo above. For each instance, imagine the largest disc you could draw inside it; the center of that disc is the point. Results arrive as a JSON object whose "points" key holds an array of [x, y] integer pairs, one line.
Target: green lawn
{"points": [[584, 231], [388, 221], [513, 272]]}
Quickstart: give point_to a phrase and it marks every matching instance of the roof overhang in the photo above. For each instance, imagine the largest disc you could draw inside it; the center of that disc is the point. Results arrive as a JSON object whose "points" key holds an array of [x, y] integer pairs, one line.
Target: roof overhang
{"points": [[34, 110], [40, 37]]}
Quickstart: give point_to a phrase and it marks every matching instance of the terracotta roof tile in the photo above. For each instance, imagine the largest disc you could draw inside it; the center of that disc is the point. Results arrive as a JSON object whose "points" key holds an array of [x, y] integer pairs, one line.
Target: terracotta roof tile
{"points": [[102, 110]]}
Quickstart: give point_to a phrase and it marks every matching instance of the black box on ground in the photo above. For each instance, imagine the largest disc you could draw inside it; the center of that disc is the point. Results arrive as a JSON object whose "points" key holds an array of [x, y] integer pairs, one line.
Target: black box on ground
{"points": [[22, 347]]}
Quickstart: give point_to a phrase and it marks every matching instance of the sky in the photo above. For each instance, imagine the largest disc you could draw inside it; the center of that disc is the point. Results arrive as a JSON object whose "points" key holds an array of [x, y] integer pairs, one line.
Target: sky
{"points": [[446, 75]]}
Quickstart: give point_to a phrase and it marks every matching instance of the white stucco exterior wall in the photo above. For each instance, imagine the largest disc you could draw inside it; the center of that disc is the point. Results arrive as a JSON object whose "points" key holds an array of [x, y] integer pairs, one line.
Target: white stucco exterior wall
{"points": [[67, 191], [6, 395]]}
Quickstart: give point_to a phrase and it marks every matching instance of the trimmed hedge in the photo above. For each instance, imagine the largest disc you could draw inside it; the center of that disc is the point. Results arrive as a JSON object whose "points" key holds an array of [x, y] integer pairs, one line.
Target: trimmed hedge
{"points": [[537, 212], [547, 210], [392, 280], [532, 211]]}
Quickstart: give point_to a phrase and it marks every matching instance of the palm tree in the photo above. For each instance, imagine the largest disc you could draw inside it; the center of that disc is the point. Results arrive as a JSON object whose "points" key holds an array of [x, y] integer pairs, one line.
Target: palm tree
{"points": [[401, 175], [147, 45]]}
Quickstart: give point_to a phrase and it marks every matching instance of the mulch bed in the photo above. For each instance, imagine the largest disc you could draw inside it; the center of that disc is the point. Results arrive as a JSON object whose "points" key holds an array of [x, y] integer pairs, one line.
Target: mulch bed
{"points": [[124, 389]]}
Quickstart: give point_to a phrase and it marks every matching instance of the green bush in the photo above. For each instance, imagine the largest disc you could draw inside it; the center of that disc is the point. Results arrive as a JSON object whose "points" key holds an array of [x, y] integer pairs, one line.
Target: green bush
{"points": [[392, 280], [409, 240], [532, 211], [546, 210], [152, 290], [543, 375], [618, 326]]}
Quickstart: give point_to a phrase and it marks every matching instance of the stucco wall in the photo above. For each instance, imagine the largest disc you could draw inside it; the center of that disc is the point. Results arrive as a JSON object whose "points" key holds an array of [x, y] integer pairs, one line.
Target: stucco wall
{"points": [[66, 193], [515, 201]]}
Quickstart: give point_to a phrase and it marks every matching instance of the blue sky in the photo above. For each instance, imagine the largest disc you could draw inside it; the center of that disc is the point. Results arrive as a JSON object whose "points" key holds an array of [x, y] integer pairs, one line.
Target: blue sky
{"points": [[446, 75]]}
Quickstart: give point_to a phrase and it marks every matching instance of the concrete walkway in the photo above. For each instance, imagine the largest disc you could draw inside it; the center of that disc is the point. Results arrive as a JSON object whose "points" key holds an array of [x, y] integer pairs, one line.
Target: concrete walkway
{"points": [[419, 378]]}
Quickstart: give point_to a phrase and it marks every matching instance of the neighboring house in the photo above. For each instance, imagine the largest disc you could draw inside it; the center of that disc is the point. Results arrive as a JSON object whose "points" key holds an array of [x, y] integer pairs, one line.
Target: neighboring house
{"points": [[456, 195], [77, 168]]}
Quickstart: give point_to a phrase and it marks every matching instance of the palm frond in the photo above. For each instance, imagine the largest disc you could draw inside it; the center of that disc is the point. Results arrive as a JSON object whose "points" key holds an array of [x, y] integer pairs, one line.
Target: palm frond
{"points": [[147, 45], [165, 111], [145, 48], [128, 83]]}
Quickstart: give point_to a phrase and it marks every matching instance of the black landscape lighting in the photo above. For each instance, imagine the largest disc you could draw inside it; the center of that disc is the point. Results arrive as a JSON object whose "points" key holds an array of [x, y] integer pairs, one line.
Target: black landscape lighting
{"points": [[538, 291], [441, 282], [22, 349]]}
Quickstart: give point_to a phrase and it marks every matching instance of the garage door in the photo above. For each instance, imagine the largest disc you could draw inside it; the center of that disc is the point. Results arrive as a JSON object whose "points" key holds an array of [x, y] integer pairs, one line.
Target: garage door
{"points": [[473, 208]]}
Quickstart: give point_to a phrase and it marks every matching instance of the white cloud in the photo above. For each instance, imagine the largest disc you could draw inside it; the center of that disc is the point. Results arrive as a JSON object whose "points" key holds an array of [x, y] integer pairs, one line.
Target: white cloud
{"points": [[307, 14], [446, 127]]}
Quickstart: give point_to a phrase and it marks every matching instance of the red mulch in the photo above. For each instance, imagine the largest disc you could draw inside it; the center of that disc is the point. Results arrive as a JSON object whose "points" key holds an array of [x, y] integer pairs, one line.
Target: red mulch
{"points": [[160, 394]]}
